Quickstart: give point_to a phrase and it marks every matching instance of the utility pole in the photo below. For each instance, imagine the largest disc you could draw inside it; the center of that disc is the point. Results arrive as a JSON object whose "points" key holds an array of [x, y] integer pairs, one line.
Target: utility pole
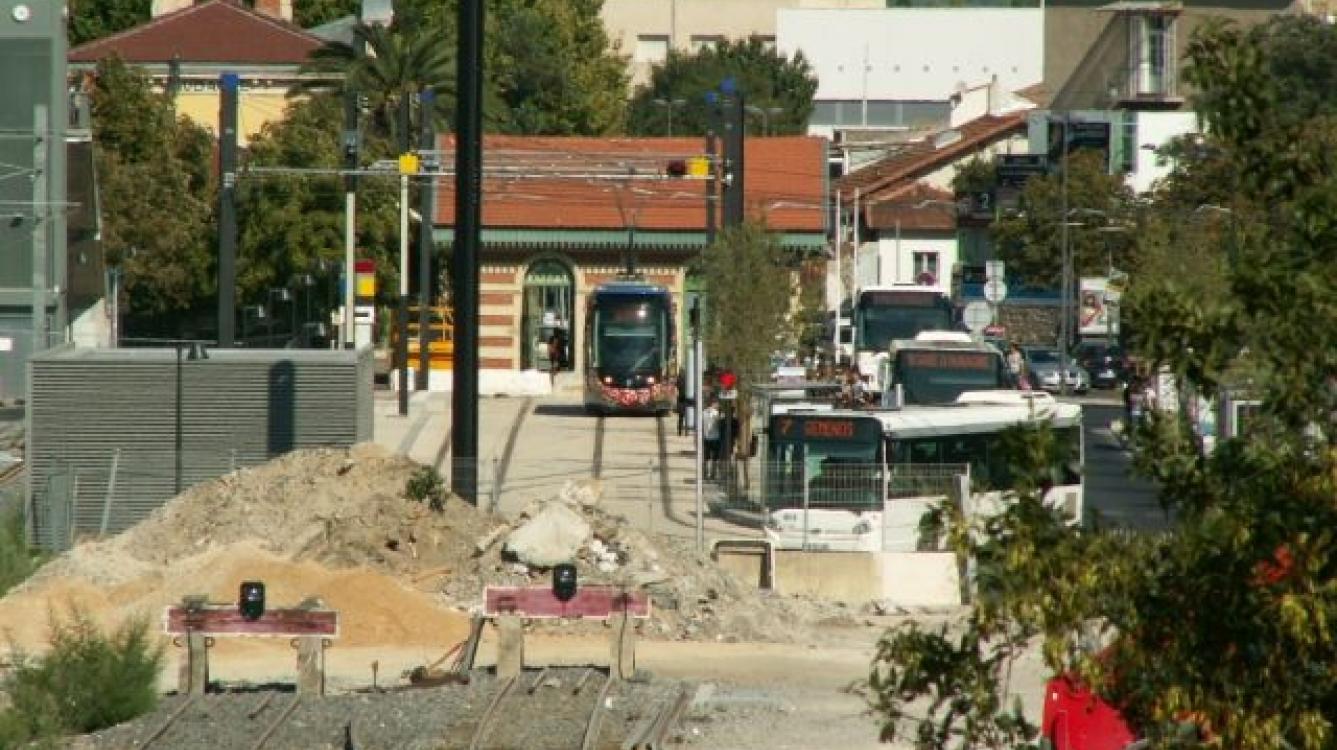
{"points": [[426, 207], [712, 179], [407, 165], [734, 110], [1065, 294], [468, 220], [227, 210], [352, 138]]}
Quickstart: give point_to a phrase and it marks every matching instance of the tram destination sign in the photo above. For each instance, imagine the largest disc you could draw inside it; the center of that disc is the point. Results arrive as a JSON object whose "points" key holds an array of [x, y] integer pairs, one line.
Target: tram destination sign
{"points": [[791, 427]]}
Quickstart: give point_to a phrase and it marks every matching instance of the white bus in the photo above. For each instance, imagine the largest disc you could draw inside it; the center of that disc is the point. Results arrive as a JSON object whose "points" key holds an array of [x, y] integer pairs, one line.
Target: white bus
{"points": [[936, 367], [860, 481], [883, 314]]}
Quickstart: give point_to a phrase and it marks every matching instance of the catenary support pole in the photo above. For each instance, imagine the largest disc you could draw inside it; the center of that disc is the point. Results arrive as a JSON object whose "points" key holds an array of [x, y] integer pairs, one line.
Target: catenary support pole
{"points": [[227, 210], [840, 283], [426, 200], [468, 215], [352, 137], [402, 319], [698, 360]]}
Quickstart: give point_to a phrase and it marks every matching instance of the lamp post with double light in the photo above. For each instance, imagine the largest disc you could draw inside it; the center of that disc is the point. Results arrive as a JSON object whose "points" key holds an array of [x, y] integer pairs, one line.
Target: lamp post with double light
{"points": [[669, 105], [765, 113]]}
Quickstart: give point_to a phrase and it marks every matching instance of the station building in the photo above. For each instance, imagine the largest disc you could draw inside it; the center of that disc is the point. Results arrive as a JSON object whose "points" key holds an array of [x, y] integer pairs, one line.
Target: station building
{"points": [[560, 214]]}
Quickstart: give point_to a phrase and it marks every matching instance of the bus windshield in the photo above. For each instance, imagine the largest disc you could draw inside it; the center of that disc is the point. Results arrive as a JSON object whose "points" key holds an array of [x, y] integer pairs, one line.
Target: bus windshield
{"points": [[938, 377], [629, 336], [837, 457], [886, 315]]}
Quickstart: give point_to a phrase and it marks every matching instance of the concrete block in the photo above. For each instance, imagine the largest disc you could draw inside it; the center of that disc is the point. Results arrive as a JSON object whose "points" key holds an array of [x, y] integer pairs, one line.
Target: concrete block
{"points": [[554, 535]]}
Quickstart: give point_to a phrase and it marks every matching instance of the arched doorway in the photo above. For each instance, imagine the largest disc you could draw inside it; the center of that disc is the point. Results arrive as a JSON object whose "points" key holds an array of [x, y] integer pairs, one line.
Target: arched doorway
{"points": [[549, 307]]}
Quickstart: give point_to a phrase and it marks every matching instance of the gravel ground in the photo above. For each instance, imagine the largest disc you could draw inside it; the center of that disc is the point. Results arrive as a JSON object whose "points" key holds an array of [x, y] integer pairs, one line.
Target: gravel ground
{"points": [[553, 717]]}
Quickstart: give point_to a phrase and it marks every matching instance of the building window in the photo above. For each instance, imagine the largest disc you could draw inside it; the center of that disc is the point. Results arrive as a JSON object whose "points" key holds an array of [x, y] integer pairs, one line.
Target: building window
{"points": [[880, 113], [703, 42], [1130, 146], [926, 268], [651, 48], [767, 42], [1152, 54]]}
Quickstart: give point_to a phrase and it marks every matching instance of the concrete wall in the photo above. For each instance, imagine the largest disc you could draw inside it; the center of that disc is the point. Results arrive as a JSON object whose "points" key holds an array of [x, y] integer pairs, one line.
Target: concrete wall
{"points": [[1086, 49], [898, 257], [914, 53], [906, 579]]}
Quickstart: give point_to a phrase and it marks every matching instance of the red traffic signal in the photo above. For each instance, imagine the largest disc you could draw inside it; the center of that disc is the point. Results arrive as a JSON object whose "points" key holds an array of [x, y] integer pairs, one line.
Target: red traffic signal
{"points": [[676, 168], [728, 380]]}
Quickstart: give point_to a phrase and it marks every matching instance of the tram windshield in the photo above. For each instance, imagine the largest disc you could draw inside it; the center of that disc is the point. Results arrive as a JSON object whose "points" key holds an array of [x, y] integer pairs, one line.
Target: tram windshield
{"points": [[882, 316], [630, 336]]}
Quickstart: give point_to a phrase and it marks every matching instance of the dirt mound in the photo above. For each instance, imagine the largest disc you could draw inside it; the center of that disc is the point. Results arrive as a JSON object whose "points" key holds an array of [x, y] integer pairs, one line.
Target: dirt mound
{"points": [[335, 523]]}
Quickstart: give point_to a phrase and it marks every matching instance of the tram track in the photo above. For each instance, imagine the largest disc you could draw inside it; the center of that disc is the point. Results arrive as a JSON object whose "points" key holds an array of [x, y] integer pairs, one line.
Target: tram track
{"points": [[531, 705]]}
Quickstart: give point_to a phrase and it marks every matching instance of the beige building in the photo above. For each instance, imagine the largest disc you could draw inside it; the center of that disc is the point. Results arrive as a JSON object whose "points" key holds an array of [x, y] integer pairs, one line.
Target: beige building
{"points": [[645, 30]]}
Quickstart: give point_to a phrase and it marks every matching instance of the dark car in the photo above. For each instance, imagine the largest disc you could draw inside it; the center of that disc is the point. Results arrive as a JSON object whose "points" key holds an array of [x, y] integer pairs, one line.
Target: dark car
{"points": [[1106, 364]]}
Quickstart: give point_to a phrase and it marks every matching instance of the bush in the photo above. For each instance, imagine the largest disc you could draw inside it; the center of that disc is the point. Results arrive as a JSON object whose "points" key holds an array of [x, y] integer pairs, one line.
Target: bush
{"points": [[17, 559], [427, 486], [88, 681]]}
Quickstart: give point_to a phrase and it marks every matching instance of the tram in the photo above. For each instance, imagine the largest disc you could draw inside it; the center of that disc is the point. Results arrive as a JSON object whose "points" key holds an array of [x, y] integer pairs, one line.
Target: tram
{"points": [[631, 361]]}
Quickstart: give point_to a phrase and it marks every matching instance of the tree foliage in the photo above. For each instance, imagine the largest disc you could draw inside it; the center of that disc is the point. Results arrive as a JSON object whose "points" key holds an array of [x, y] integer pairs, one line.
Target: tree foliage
{"points": [[1224, 626], [157, 196], [767, 79], [94, 19], [1031, 239], [311, 13]]}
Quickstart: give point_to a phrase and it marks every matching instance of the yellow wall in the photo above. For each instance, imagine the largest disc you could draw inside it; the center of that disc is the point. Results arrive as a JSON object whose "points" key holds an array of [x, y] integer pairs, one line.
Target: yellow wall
{"points": [[256, 108]]}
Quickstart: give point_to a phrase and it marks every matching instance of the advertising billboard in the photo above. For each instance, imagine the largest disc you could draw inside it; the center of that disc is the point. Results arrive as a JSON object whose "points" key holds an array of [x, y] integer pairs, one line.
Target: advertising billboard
{"points": [[1097, 313]]}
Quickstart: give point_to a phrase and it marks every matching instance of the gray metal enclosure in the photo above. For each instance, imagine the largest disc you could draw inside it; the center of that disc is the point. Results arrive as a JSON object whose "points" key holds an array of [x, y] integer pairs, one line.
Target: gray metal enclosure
{"points": [[114, 433]]}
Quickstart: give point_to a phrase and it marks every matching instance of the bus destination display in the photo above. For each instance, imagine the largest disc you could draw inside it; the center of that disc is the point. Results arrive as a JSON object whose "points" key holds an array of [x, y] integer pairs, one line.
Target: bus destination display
{"points": [[899, 299], [822, 428], [950, 360]]}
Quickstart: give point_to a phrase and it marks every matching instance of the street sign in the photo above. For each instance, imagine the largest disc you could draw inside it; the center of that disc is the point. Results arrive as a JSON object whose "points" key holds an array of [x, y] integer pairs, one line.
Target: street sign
{"points": [[977, 316], [1015, 169], [995, 290], [729, 395], [993, 269]]}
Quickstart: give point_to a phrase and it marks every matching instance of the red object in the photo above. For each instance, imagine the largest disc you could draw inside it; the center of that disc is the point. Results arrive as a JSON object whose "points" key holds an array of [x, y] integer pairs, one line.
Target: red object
{"points": [[1077, 719], [364, 266], [214, 619], [539, 602], [728, 380]]}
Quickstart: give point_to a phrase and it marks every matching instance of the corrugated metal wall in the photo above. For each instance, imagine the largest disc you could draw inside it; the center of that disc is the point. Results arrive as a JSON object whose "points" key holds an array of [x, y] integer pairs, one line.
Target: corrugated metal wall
{"points": [[114, 432]]}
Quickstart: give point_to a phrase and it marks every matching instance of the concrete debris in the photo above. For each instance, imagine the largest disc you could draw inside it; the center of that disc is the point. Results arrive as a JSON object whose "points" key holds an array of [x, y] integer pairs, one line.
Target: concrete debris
{"points": [[584, 493], [552, 536]]}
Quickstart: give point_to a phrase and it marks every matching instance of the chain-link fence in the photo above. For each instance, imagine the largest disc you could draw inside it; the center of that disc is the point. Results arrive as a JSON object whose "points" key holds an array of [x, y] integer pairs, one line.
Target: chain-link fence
{"points": [[74, 501]]}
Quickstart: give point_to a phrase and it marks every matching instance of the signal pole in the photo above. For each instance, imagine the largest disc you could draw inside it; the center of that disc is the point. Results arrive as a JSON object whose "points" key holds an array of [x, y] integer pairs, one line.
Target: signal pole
{"points": [[468, 220], [427, 197], [227, 210]]}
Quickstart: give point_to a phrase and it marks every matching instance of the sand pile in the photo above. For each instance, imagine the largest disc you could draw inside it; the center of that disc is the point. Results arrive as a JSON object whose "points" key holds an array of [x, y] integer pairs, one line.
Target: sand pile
{"points": [[335, 523]]}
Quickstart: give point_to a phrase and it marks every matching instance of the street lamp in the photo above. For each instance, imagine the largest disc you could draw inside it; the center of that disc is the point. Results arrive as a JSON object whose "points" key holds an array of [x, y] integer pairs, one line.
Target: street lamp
{"points": [[669, 105], [765, 114]]}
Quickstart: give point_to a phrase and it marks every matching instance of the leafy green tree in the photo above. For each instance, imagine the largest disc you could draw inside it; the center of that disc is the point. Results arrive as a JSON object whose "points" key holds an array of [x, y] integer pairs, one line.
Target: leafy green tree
{"points": [[401, 60], [555, 72], [1225, 624], [156, 194], [311, 13], [292, 224], [94, 19], [1030, 239], [767, 78]]}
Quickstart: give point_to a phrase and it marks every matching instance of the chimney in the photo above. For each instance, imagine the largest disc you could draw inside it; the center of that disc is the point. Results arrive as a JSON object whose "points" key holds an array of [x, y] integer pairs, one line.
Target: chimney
{"points": [[163, 7], [280, 9]]}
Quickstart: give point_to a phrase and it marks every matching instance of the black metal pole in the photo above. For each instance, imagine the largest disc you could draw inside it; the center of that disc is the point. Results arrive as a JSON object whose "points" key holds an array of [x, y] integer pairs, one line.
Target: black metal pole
{"points": [[712, 188], [468, 215], [179, 441], [227, 210], [426, 199], [734, 148]]}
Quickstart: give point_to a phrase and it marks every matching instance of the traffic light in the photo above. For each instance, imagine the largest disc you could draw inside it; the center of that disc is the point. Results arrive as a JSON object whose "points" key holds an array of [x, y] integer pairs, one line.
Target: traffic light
{"points": [[252, 604], [728, 380], [564, 582], [676, 168]]}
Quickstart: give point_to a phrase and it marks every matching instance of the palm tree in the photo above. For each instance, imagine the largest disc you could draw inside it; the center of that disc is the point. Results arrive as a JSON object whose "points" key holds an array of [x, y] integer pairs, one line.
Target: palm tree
{"points": [[399, 61]]}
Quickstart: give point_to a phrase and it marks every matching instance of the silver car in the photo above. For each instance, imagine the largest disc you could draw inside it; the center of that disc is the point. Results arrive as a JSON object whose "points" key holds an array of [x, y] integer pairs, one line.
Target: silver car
{"points": [[1043, 367]]}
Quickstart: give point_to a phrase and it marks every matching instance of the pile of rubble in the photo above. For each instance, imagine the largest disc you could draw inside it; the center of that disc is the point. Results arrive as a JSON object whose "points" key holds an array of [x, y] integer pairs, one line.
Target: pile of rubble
{"points": [[347, 509]]}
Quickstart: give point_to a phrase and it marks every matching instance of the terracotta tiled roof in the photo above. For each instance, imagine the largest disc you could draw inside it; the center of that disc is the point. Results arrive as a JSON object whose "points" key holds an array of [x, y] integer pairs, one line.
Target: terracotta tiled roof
{"points": [[916, 206], [918, 159], [785, 181], [214, 31]]}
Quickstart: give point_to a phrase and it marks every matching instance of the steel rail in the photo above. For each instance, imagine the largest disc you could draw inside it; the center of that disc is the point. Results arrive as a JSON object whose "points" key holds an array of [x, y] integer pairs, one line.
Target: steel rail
{"points": [[278, 721], [162, 729], [483, 724]]}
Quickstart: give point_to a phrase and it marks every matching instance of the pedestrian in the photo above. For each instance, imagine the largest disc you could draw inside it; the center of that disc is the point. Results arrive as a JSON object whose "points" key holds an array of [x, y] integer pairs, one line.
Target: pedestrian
{"points": [[1016, 364], [683, 403], [710, 433], [554, 354]]}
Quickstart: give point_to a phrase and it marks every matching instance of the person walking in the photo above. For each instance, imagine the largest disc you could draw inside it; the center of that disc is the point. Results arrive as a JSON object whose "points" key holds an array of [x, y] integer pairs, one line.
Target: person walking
{"points": [[683, 403], [1016, 364], [710, 434], [554, 355]]}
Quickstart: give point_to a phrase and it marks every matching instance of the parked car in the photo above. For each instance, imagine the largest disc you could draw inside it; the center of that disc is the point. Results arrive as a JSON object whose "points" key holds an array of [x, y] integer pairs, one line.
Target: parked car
{"points": [[1107, 365], [1043, 364]]}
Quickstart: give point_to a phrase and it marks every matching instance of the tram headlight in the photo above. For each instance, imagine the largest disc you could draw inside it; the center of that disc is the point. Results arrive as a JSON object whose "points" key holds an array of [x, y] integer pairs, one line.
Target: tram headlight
{"points": [[863, 527], [608, 380], [650, 379]]}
